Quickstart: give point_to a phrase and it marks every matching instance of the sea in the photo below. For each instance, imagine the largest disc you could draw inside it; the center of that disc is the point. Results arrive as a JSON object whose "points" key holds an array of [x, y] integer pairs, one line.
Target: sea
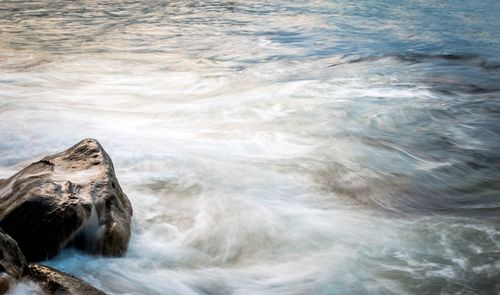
{"points": [[271, 147]]}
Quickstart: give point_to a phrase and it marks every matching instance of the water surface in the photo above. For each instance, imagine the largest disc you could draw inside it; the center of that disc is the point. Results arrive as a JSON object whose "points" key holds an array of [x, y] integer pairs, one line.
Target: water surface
{"points": [[316, 147]]}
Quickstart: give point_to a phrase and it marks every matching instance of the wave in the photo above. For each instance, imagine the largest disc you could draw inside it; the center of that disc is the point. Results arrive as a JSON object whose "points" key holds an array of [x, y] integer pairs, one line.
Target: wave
{"points": [[415, 58]]}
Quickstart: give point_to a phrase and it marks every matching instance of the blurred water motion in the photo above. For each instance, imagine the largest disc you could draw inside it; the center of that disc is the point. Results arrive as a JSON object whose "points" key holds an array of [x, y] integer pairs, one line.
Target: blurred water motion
{"points": [[272, 148]]}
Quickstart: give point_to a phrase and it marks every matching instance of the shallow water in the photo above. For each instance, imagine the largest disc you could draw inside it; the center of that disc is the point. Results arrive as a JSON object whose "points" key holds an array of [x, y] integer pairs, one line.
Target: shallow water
{"points": [[286, 148]]}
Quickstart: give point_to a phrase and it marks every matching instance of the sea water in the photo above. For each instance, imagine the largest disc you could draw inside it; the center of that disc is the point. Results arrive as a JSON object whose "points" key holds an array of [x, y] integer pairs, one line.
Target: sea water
{"points": [[271, 147]]}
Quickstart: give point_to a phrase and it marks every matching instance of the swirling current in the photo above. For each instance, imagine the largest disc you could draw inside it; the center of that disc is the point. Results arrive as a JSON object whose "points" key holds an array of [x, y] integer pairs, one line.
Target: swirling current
{"points": [[271, 147]]}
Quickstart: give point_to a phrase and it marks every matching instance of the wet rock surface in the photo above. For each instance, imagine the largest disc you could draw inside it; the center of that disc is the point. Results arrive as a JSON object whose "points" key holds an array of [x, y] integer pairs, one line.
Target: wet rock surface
{"points": [[72, 197], [12, 262], [53, 281]]}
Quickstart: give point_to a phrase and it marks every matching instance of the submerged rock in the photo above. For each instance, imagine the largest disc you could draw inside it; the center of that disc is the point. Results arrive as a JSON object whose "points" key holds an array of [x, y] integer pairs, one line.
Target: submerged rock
{"points": [[70, 197], [12, 262], [56, 282]]}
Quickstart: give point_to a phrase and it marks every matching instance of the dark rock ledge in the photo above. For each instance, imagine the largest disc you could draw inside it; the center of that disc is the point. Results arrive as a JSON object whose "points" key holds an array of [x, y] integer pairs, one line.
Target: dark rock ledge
{"points": [[53, 281], [72, 198], [12, 262]]}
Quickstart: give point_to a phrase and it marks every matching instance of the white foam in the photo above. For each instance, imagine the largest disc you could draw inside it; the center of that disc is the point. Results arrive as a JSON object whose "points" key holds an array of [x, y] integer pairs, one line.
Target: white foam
{"points": [[251, 166]]}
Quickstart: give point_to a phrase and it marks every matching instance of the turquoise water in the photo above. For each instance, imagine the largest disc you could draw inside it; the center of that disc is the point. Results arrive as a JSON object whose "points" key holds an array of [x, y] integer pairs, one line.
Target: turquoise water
{"points": [[318, 147]]}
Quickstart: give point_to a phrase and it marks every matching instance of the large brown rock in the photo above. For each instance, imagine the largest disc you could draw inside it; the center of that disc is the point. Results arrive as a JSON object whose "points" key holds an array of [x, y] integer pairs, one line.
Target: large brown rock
{"points": [[72, 197], [12, 262]]}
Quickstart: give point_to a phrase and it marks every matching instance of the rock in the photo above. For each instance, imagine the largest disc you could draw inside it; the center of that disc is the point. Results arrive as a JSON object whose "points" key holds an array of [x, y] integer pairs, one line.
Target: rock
{"points": [[56, 282], [72, 197], [12, 262]]}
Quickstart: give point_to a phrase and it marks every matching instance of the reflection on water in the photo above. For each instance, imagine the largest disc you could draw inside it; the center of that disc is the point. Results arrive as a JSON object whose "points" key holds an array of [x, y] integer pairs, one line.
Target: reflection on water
{"points": [[285, 148]]}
